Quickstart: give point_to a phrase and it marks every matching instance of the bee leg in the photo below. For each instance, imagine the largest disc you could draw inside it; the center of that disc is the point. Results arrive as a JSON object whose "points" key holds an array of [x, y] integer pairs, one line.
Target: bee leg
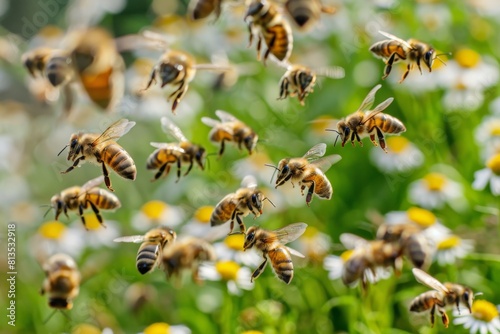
{"points": [[178, 170], [250, 36], [408, 68], [231, 227], [310, 192], [381, 139], [418, 65], [80, 212], [152, 79], [259, 44], [433, 310], [372, 138], [269, 47], [75, 164], [97, 213], [221, 148], [444, 318], [358, 139], [388, 65], [283, 89], [179, 94], [302, 189], [160, 171], [237, 215], [259, 270], [65, 212], [107, 180], [190, 167]]}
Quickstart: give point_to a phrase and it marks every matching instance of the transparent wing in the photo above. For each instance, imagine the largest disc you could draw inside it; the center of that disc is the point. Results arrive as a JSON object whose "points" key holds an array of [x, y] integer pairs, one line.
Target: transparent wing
{"points": [[369, 99], [334, 72], [170, 128], [325, 163], [249, 181], [212, 67], [168, 146], [378, 109], [352, 241], [316, 151], [92, 183], [290, 233], [295, 252], [225, 116], [394, 38], [114, 131], [210, 121], [131, 238], [429, 281]]}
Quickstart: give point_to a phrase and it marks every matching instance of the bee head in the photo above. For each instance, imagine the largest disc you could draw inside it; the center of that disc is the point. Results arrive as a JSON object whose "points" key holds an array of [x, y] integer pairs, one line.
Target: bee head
{"points": [[250, 237], [429, 58], [256, 199], [57, 204], [74, 147], [250, 142], [344, 131], [169, 72], [307, 80], [284, 172], [254, 8], [467, 298]]}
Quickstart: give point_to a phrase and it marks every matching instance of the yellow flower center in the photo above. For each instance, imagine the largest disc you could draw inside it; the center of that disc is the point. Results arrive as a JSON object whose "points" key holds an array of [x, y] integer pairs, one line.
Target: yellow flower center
{"points": [[484, 310], [50, 31], [467, 58], [321, 123], [494, 164], [86, 329], [398, 144], [346, 255], [422, 217], [311, 232], [450, 242], [52, 230], [203, 213], [235, 241], [142, 65], [495, 129], [228, 270], [157, 328], [154, 209], [91, 222], [435, 181]]}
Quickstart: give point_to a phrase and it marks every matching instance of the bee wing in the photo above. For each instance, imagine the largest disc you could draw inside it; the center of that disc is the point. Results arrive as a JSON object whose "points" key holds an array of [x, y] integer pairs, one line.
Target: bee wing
{"points": [[378, 109], [210, 121], [212, 67], [295, 252], [394, 38], [429, 281], [131, 238], [114, 131], [369, 99], [315, 152], [334, 72], [325, 163], [352, 241], [249, 181], [92, 183], [290, 233], [170, 128], [225, 116], [170, 146]]}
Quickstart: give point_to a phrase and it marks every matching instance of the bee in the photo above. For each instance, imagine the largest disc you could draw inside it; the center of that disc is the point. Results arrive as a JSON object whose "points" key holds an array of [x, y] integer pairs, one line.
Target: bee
{"points": [[200, 9], [366, 122], [410, 52], [62, 281], [441, 296], [308, 171], [306, 12], [187, 254], [272, 246], [165, 155], [102, 149], [81, 198], [267, 23], [178, 68], [150, 252], [99, 66], [300, 80], [248, 199], [229, 128]]}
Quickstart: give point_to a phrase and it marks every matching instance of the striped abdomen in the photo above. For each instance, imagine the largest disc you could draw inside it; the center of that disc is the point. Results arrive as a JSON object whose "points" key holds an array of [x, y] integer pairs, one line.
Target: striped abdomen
{"points": [[223, 211], [103, 199], [387, 124], [160, 157], [147, 257], [120, 161], [385, 49], [203, 8], [279, 40], [282, 264], [99, 87], [219, 134], [416, 250], [426, 301]]}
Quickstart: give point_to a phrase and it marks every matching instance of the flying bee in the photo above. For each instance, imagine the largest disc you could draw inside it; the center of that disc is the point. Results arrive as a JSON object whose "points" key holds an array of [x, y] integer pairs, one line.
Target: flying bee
{"points": [[200, 9], [300, 80], [62, 281], [442, 295], [102, 149], [80, 198], [187, 254], [178, 68], [272, 246], [308, 171], [150, 252], [229, 128], [248, 199], [267, 23], [307, 12], [95, 57], [410, 52], [366, 122]]}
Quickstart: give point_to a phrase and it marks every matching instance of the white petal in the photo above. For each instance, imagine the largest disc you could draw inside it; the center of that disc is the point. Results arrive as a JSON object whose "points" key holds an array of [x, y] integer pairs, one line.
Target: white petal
{"points": [[495, 185], [481, 178]]}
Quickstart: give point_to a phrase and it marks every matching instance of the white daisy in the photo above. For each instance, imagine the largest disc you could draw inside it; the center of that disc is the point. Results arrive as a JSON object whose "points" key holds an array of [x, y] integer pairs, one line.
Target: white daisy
{"points": [[314, 244], [85, 13], [487, 135], [483, 319], [451, 248], [164, 328], [434, 16], [95, 234], [155, 213], [232, 249], [235, 276], [490, 174], [199, 225], [435, 190], [402, 156]]}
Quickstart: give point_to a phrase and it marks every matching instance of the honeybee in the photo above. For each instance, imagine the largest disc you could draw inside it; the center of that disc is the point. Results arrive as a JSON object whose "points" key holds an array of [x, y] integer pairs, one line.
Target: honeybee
{"points": [[62, 281], [102, 149], [248, 199], [150, 252], [272, 246], [187, 254], [267, 23], [95, 57], [300, 80], [200, 9], [308, 171], [366, 122], [164, 155], [178, 68], [411, 52], [306, 12], [442, 295], [229, 128], [80, 198]]}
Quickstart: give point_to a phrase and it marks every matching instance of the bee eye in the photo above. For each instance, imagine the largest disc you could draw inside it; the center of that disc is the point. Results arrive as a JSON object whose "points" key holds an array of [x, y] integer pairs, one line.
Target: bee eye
{"points": [[285, 169], [74, 142], [250, 236], [466, 296], [347, 131], [428, 56]]}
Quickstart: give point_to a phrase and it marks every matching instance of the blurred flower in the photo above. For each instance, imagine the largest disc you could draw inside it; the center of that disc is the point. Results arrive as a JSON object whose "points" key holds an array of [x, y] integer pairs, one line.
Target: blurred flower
{"points": [[314, 244], [155, 213], [487, 135], [434, 16], [85, 13], [483, 319], [489, 174], [436, 189], [54, 237], [232, 249], [486, 7], [88, 329], [96, 235], [451, 248], [199, 226], [402, 156], [164, 328], [237, 277], [139, 294]]}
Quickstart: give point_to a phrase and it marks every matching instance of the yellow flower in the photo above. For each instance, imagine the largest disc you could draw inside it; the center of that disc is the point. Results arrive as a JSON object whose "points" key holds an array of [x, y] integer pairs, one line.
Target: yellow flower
{"points": [[422, 217], [494, 164], [467, 58], [52, 229]]}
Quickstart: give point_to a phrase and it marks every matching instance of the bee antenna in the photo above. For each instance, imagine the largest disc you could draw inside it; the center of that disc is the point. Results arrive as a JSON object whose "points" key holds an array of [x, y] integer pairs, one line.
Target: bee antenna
{"points": [[441, 54], [275, 169], [478, 294], [58, 154], [270, 201], [48, 210], [338, 135]]}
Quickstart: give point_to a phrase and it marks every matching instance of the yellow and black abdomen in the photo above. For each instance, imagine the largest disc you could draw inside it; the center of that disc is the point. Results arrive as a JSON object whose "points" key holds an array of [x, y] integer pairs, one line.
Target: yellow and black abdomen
{"points": [[99, 87], [282, 264], [222, 212], [147, 257], [279, 41], [160, 157], [120, 161], [103, 199], [425, 301], [388, 124], [385, 49]]}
